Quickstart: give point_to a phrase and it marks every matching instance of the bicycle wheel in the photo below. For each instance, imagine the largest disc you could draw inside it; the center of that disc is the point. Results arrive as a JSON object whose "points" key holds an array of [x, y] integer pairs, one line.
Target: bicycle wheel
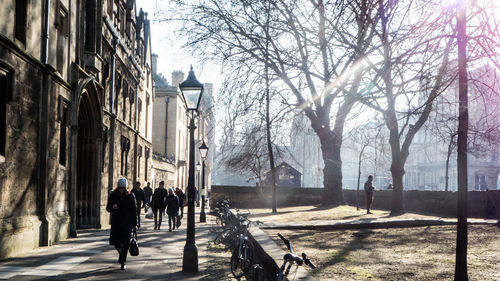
{"points": [[241, 262], [222, 236]]}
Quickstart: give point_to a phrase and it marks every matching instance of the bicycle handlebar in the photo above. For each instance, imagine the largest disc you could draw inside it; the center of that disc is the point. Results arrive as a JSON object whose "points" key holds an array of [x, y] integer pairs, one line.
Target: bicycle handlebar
{"points": [[287, 243], [308, 261]]}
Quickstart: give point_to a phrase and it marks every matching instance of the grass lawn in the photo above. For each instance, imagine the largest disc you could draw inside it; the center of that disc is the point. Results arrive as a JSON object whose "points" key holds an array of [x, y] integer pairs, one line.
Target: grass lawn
{"points": [[419, 253]]}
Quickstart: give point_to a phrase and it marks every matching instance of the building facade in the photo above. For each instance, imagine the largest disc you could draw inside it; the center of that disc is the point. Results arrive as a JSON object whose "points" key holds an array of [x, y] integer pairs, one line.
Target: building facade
{"points": [[171, 135], [75, 115]]}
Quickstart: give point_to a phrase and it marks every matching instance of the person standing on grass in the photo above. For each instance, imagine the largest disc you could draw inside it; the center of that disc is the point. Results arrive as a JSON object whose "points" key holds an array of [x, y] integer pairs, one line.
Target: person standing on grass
{"points": [[121, 205], [139, 200], [159, 203], [172, 209], [369, 193]]}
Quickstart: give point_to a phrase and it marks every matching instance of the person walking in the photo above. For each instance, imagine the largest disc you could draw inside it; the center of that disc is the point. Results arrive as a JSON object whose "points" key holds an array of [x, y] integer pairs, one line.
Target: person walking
{"points": [[172, 209], [181, 197], [139, 201], [369, 187], [121, 206], [159, 202], [148, 192]]}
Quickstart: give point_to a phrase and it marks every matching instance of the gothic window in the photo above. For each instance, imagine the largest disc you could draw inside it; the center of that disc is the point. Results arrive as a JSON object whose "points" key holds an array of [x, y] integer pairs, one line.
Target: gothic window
{"points": [[63, 129], [62, 39], [122, 20], [125, 96], [139, 155], [131, 100], [146, 158], [125, 147], [139, 109], [5, 97], [147, 114], [118, 86], [104, 145], [110, 8], [21, 18]]}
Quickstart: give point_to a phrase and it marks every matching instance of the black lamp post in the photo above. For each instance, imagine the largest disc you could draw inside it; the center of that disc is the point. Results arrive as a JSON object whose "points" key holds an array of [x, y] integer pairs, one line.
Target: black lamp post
{"points": [[203, 153], [191, 90]]}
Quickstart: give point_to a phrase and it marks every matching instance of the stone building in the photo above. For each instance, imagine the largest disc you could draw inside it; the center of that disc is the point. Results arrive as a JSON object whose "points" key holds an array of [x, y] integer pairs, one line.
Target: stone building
{"points": [[170, 133], [170, 141], [75, 115], [426, 165]]}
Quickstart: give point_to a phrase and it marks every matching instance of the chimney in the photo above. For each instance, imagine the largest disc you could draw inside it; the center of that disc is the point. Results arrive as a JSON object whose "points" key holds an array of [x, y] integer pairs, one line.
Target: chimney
{"points": [[154, 62], [177, 77]]}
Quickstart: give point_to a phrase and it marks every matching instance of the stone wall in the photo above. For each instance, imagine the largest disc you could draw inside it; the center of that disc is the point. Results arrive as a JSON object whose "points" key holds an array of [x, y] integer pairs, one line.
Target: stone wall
{"points": [[441, 203]]}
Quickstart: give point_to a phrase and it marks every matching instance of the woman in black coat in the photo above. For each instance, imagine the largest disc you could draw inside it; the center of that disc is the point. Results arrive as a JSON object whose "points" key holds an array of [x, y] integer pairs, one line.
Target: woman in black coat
{"points": [[121, 204], [172, 208]]}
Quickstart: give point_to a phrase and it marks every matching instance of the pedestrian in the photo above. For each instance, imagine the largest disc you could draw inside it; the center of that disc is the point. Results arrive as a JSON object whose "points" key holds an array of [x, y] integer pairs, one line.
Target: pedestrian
{"points": [[172, 209], [148, 192], [369, 193], [159, 203], [139, 201], [121, 205], [181, 197], [390, 186]]}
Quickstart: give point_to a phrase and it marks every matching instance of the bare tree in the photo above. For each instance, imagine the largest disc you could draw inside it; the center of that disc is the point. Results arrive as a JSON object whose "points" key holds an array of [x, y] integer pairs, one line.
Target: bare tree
{"points": [[412, 70], [313, 47]]}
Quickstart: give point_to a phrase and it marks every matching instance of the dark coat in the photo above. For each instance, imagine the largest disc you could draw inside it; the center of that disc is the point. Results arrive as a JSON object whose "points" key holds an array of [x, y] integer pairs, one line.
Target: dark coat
{"points": [[369, 186], [139, 197], [124, 219], [172, 205], [159, 199], [148, 192], [181, 197]]}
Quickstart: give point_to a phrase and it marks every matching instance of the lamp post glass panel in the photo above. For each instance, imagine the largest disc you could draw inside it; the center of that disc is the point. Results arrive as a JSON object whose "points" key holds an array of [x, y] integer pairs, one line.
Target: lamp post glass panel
{"points": [[191, 90], [197, 197], [203, 153]]}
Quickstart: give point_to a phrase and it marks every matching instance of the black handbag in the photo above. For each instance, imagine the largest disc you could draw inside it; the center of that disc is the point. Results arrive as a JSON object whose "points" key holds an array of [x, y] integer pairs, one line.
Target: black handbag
{"points": [[133, 248], [178, 222]]}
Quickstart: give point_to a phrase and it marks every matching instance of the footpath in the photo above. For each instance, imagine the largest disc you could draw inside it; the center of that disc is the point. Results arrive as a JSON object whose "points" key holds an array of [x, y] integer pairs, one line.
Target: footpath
{"points": [[90, 257]]}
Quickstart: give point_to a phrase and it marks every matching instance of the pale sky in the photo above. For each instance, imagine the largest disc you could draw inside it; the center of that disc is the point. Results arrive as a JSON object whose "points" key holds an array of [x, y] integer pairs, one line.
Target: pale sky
{"points": [[171, 55]]}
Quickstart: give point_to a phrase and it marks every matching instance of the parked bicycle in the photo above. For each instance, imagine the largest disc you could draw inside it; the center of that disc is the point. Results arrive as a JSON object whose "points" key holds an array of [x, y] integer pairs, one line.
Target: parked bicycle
{"points": [[223, 212], [242, 257]]}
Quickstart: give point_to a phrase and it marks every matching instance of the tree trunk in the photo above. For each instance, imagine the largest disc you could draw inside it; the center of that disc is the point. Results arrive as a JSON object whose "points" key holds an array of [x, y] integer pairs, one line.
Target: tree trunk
{"points": [[332, 172], [448, 156], [463, 120], [397, 170]]}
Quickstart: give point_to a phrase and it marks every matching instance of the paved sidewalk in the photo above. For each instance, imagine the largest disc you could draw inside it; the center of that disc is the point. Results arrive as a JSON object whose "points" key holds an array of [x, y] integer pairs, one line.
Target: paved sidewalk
{"points": [[90, 257]]}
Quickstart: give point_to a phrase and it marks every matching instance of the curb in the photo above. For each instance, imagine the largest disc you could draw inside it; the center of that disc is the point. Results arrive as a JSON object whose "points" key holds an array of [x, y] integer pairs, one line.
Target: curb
{"points": [[274, 255], [370, 224]]}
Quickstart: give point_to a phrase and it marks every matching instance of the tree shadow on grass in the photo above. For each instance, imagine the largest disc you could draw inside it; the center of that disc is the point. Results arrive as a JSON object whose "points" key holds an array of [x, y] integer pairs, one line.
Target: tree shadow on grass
{"points": [[341, 256]]}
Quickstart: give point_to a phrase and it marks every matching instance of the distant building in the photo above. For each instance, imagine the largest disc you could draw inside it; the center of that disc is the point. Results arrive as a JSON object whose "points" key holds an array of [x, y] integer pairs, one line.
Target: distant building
{"points": [[305, 151], [426, 165], [285, 175], [170, 133]]}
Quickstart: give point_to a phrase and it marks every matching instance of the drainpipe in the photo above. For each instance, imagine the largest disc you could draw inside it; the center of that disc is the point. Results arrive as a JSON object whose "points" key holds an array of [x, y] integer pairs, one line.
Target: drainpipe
{"points": [[166, 122], [44, 239]]}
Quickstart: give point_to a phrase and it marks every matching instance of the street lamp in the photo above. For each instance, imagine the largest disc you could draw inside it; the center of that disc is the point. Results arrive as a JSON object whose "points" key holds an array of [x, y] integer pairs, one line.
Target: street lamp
{"points": [[203, 153], [191, 90]]}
